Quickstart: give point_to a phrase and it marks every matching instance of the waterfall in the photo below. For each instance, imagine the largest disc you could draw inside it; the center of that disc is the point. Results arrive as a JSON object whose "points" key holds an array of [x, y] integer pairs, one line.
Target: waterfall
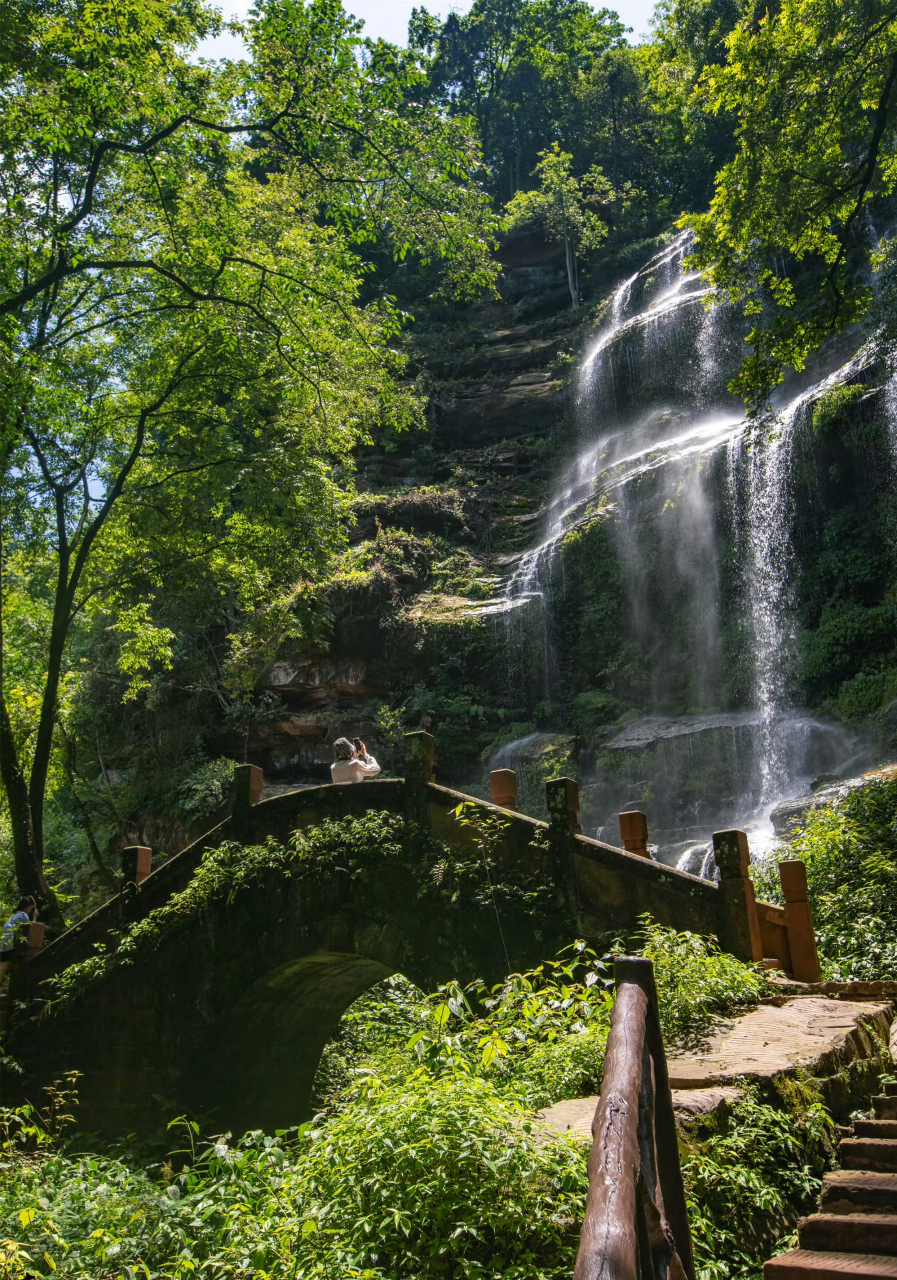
{"points": [[690, 502]]}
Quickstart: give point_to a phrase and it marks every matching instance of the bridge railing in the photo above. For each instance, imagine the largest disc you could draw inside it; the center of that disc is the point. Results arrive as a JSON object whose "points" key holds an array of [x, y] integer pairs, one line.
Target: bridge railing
{"points": [[635, 1225]]}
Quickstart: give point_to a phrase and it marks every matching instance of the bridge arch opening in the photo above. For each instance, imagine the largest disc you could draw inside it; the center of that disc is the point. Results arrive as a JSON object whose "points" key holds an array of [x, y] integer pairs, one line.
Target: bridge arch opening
{"points": [[262, 1064]]}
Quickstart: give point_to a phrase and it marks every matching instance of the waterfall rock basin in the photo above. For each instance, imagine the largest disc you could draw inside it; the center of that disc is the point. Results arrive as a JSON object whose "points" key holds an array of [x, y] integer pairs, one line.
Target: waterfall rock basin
{"points": [[693, 775]]}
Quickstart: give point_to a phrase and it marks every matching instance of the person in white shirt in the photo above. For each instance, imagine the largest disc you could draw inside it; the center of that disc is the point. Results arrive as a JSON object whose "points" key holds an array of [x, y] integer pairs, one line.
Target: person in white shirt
{"points": [[352, 763]]}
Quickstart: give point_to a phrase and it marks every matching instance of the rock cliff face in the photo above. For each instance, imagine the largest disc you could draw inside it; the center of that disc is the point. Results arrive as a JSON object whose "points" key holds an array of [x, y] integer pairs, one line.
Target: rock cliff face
{"points": [[438, 522]]}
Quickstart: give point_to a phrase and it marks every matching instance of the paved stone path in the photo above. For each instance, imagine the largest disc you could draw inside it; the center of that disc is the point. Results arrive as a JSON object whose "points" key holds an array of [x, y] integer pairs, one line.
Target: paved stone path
{"points": [[806, 1032], [809, 1032]]}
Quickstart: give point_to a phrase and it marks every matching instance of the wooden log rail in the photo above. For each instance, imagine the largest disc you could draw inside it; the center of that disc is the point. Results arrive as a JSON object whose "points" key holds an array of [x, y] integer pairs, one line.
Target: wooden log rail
{"points": [[635, 1225]]}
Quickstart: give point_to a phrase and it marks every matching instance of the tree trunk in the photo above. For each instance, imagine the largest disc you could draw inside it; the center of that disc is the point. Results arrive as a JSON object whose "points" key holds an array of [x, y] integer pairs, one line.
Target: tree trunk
{"points": [[571, 270], [43, 744], [30, 876]]}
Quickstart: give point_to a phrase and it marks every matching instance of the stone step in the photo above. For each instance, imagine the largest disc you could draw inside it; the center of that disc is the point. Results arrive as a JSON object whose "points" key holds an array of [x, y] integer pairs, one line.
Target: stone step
{"points": [[868, 1153], [885, 1107], [891, 1089], [849, 1232], [858, 1191], [875, 1128], [809, 1264]]}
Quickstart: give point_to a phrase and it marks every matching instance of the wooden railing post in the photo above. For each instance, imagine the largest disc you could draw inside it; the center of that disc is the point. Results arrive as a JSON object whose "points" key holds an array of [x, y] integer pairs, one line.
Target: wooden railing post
{"points": [[503, 788], [671, 1200], [738, 925], [246, 792], [608, 1242], [635, 1225], [634, 830], [799, 917], [34, 939], [562, 798]]}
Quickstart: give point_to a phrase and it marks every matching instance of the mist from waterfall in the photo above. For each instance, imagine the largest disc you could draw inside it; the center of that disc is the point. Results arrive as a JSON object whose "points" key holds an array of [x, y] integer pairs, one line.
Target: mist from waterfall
{"points": [[664, 450]]}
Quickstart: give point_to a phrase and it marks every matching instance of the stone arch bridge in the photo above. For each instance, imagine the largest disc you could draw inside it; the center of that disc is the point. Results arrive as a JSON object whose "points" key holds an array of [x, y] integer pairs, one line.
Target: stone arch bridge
{"points": [[229, 1015]]}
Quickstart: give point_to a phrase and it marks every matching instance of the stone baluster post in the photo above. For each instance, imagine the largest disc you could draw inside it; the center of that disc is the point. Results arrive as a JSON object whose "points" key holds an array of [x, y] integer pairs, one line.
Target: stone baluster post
{"points": [[420, 752], [246, 792], [562, 796], [738, 926], [634, 830], [503, 787], [136, 863], [799, 919]]}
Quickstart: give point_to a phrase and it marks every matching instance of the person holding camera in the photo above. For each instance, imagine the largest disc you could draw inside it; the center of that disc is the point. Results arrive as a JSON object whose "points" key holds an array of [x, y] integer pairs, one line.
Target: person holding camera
{"points": [[352, 763]]}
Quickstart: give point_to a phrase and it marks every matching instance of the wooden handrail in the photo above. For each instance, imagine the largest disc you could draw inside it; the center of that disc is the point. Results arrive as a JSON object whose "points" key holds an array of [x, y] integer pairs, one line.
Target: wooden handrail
{"points": [[635, 1225]]}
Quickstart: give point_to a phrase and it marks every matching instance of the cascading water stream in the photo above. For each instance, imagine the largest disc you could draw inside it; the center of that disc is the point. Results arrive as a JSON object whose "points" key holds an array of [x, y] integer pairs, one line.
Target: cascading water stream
{"points": [[612, 461], [667, 455]]}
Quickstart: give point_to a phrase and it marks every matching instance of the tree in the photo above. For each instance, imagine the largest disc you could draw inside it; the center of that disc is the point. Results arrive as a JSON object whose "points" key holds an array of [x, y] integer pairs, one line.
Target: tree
{"points": [[560, 209], [184, 354], [512, 66], [813, 89]]}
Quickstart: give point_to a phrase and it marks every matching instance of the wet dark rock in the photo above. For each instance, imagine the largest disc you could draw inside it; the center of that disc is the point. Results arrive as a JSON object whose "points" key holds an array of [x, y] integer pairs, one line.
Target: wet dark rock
{"points": [[643, 733], [789, 815]]}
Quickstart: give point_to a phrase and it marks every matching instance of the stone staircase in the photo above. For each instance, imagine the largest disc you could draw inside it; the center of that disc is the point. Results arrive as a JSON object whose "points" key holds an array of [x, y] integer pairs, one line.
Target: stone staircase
{"points": [[854, 1231]]}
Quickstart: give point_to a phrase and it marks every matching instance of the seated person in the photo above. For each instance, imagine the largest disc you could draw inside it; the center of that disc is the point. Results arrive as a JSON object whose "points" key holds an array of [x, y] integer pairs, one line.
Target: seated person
{"points": [[352, 763]]}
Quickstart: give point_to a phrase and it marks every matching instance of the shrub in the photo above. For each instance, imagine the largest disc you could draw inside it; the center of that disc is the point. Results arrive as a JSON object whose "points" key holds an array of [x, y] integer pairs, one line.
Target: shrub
{"points": [[695, 980], [206, 789], [427, 1178], [850, 852], [748, 1181]]}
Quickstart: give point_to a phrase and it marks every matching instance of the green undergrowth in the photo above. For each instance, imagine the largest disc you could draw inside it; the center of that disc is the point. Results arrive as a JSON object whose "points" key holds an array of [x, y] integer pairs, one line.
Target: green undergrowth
{"points": [[749, 1172], [425, 1158], [431, 1177], [539, 1036], [850, 852]]}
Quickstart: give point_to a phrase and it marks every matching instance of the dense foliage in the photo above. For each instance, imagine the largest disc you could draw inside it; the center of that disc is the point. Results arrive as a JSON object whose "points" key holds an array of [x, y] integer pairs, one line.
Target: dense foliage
{"points": [[791, 229], [206, 277], [850, 852], [186, 355]]}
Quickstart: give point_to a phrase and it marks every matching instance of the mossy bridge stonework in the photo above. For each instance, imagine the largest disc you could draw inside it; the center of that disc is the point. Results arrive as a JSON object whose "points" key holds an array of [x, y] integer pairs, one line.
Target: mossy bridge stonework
{"points": [[229, 1015]]}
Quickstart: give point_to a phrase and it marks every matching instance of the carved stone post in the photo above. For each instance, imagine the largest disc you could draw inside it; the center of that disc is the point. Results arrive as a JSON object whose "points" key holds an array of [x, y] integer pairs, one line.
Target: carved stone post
{"points": [[246, 792], [562, 796], [799, 918], [738, 924], [420, 752], [136, 863], [634, 830], [503, 786]]}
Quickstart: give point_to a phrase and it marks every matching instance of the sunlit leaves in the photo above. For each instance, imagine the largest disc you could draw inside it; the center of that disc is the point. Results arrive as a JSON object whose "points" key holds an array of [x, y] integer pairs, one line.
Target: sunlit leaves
{"points": [[848, 849], [812, 87]]}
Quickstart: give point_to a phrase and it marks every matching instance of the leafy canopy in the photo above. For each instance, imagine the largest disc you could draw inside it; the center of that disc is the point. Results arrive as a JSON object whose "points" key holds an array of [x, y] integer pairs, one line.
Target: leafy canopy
{"points": [[561, 206], [791, 228], [185, 352]]}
